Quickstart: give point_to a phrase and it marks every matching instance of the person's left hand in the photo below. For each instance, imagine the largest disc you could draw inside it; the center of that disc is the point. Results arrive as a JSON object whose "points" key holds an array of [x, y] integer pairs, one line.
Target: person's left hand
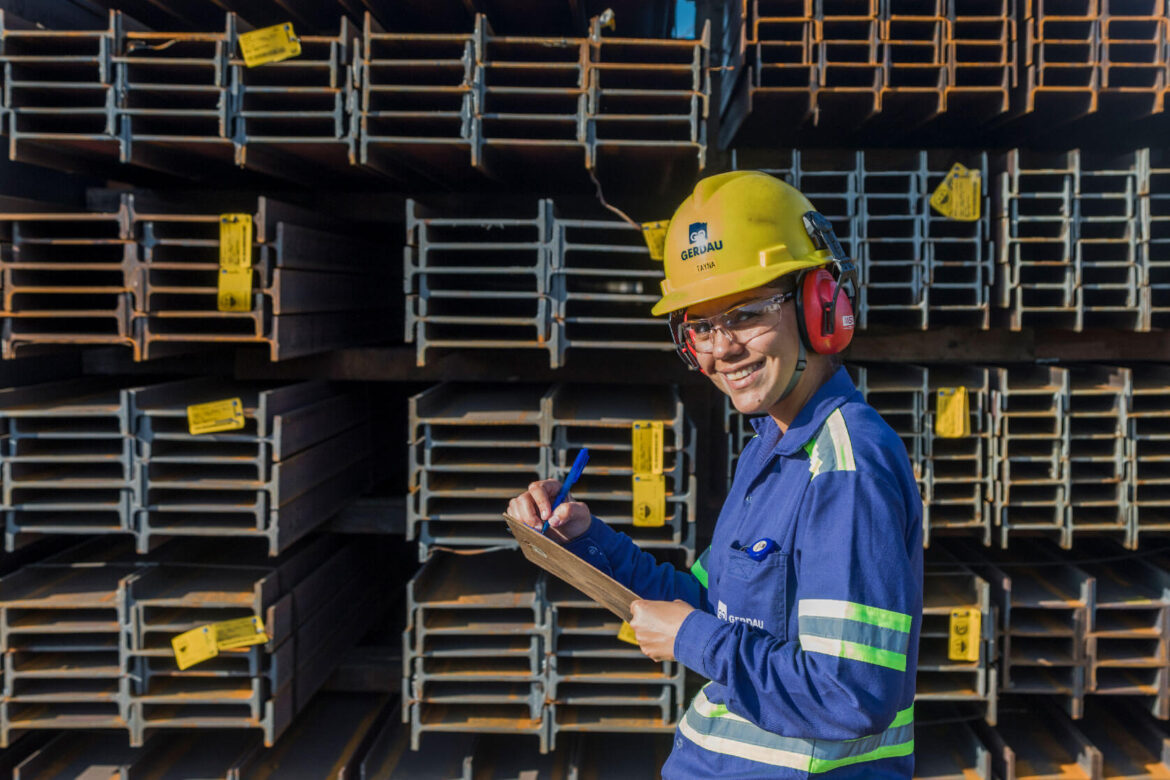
{"points": [[656, 623]]}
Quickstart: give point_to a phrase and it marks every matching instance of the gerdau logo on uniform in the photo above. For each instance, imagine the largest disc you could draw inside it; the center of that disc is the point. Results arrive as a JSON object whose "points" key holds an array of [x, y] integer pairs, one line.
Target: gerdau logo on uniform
{"points": [[700, 244]]}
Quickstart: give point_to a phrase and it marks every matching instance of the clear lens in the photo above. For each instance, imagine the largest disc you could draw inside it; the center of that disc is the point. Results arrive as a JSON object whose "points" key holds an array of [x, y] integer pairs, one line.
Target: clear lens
{"points": [[739, 325]]}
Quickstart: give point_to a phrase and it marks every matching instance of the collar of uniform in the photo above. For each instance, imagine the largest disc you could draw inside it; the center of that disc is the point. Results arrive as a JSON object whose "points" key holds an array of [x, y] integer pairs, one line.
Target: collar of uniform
{"points": [[811, 416]]}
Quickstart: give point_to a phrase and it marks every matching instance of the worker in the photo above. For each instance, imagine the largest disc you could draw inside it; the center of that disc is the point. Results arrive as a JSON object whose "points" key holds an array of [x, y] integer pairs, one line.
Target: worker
{"points": [[804, 612]]}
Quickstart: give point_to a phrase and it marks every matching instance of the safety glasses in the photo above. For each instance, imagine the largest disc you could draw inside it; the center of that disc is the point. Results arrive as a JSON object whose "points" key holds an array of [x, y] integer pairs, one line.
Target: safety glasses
{"points": [[738, 325]]}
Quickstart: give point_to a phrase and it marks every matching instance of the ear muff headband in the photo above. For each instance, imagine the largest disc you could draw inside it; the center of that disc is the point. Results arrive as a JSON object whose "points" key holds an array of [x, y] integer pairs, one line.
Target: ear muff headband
{"points": [[826, 322], [829, 322]]}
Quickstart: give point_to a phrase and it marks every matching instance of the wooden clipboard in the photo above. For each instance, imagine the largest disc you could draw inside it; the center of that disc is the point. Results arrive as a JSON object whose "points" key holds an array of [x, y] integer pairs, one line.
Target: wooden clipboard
{"points": [[556, 560]]}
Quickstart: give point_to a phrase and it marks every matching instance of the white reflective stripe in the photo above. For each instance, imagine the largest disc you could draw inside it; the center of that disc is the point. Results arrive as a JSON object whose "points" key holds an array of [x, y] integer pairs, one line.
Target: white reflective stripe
{"points": [[730, 747], [824, 608], [848, 610], [704, 707], [840, 436], [820, 644]]}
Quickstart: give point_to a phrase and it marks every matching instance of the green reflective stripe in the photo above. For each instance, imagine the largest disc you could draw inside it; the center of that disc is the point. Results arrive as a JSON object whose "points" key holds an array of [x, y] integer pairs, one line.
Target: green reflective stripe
{"points": [[903, 717], [809, 446], [898, 621], [730, 734], [699, 570], [852, 631], [839, 648], [888, 751]]}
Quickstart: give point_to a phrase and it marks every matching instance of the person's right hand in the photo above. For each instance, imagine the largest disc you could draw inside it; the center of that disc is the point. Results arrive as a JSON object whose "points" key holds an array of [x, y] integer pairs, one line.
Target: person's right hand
{"points": [[533, 507]]}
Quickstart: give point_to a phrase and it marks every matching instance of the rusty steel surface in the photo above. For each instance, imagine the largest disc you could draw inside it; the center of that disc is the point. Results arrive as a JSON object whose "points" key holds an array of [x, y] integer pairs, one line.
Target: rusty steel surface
{"points": [[1045, 615], [546, 282], [460, 478], [141, 271], [1073, 246], [494, 646], [842, 66], [918, 269], [959, 481], [896, 66], [87, 645], [66, 466], [102, 456], [356, 104], [940, 678]]}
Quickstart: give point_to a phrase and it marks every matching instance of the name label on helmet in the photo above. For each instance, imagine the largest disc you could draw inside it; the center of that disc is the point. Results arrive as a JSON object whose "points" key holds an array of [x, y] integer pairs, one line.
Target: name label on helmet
{"points": [[701, 249]]}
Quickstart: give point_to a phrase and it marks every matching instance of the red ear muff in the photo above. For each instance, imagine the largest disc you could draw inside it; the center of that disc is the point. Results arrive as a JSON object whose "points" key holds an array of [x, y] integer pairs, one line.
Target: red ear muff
{"points": [[824, 330]]}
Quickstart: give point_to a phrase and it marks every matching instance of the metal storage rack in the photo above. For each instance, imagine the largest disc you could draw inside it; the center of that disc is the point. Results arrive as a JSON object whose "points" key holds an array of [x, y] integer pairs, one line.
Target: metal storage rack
{"points": [[495, 126]]}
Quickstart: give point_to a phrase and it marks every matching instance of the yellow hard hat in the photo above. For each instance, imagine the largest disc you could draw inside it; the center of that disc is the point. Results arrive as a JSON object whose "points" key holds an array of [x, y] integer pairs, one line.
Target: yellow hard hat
{"points": [[736, 231]]}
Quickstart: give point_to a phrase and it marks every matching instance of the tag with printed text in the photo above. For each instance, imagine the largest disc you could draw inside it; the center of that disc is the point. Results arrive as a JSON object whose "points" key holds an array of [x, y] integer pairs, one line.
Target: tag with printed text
{"points": [[205, 642], [952, 419], [649, 500], [269, 44], [234, 290], [241, 632], [215, 416], [964, 635], [655, 235], [194, 646], [647, 443], [959, 195]]}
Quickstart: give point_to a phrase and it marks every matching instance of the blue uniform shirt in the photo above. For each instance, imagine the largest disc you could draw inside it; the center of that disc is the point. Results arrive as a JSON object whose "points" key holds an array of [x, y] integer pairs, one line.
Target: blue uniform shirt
{"points": [[812, 650]]}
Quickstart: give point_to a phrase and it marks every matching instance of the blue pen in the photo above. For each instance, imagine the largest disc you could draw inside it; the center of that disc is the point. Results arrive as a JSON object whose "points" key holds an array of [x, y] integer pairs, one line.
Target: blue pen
{"points": [[574, 475]]}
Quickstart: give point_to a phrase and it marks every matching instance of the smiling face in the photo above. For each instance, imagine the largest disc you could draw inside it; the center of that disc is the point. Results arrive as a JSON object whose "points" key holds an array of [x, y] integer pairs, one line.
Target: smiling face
{"points": [[753, 373]]}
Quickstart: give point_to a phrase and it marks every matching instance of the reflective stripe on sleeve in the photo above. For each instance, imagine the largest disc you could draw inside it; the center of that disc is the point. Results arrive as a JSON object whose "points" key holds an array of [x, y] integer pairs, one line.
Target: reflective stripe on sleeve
{"points": [[831, 449], [844, 629], [699, 570], [713, 727]]}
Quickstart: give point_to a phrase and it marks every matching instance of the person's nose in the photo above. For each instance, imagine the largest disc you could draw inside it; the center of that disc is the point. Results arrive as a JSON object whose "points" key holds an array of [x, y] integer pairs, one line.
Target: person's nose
{"points": [[723, 344]]}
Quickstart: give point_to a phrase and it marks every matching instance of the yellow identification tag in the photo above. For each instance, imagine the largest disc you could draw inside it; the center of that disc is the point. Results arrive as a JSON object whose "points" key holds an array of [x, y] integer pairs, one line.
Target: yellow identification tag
{"points": [[234, 291], [958, 197], [216, 416], [655, 235], [203, 643], [647, 447], [626, 633], [194, 646], [649, 500], [952, 419], [241, 632], [269, 44], [965, 636]]}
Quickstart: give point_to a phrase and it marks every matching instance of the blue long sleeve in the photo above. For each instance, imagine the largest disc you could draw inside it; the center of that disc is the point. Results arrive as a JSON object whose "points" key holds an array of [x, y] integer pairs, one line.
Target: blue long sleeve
{"points": [[617, 555]]}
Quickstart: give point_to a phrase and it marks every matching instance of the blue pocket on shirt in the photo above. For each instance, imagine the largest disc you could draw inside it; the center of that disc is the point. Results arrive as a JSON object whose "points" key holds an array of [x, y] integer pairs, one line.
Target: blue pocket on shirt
{"points": [[755, 591]]}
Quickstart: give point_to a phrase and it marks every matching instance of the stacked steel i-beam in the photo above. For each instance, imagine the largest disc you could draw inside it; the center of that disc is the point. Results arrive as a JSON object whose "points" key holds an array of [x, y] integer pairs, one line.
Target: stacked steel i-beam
{"points": [[100, 457], [1072, 229], [919, 269], [141, 272], [1055, 451], [836, 62], [1045, 650], [566, 672], [535, 281], [87, 638], [404, 105]]}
